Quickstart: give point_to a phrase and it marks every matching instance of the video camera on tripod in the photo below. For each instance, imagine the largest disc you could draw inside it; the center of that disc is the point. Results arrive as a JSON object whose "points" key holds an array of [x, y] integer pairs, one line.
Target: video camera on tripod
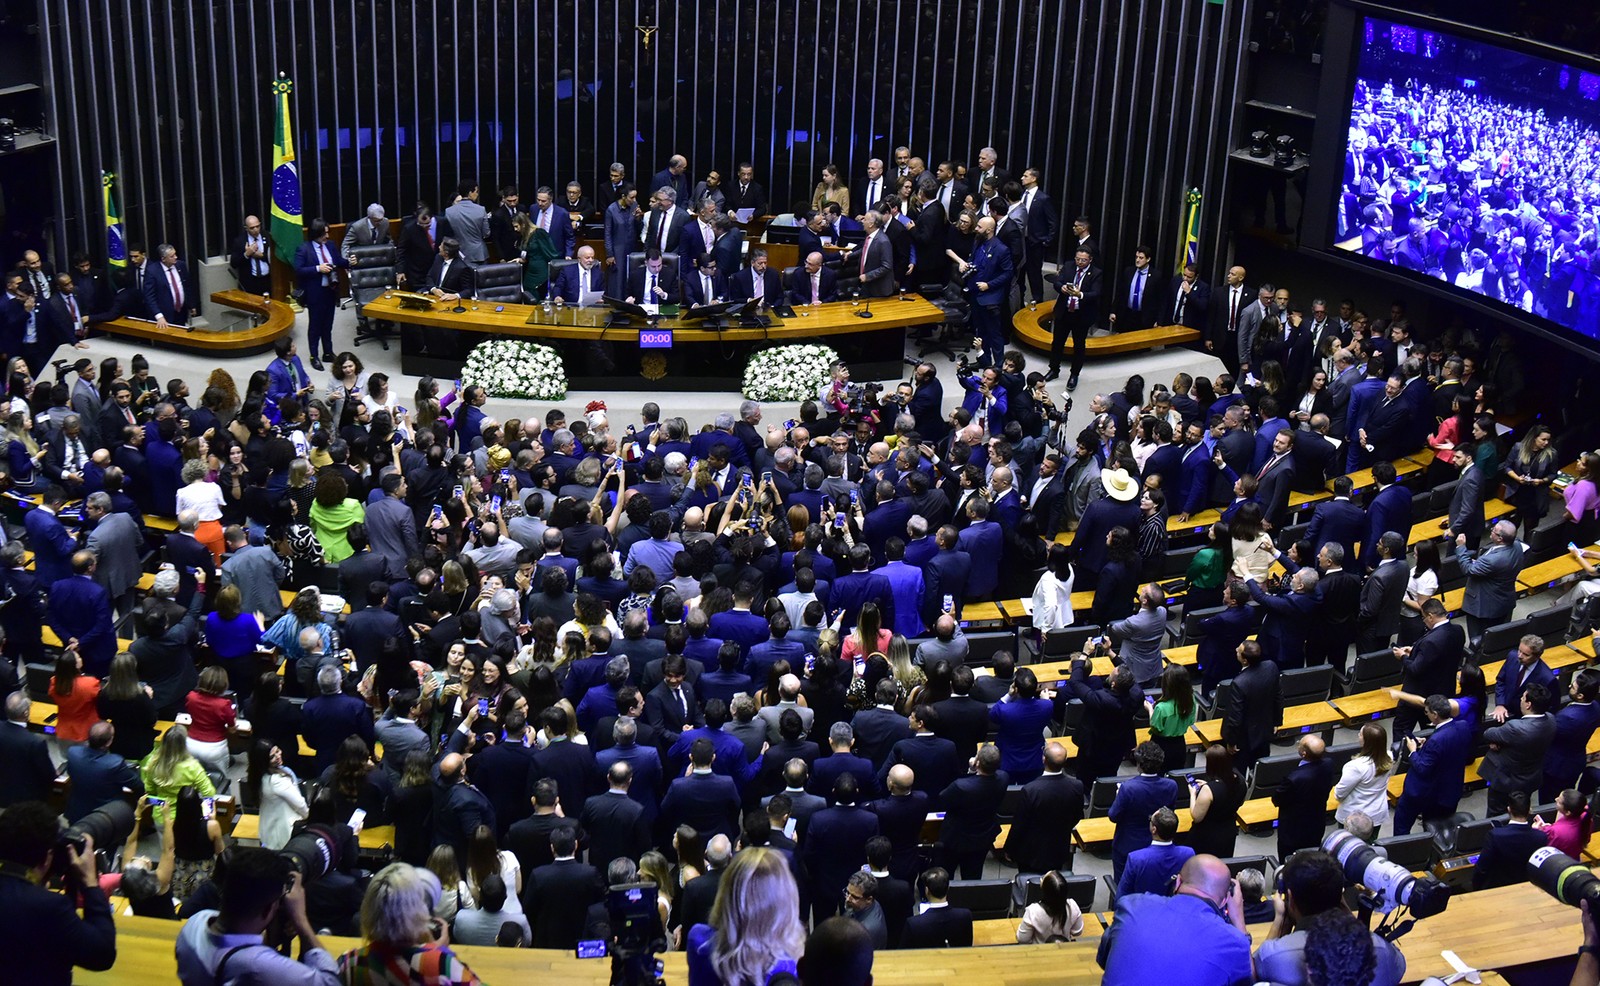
{"points": [[1383, 886], [637, 937]]}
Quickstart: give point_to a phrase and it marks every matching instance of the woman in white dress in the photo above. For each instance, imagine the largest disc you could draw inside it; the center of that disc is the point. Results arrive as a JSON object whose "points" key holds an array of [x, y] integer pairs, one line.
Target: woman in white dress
{"points": [[485, 858], [1052, 596], [277, 793], [1364, 783], [1054, 916]]}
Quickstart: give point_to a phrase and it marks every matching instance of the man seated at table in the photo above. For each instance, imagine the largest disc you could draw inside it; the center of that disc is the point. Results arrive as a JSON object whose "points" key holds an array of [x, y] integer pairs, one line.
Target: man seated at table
{"points": [[450, 277], [758, 282], [582, 283], [812, 283], [704, 284], [655, 282]]}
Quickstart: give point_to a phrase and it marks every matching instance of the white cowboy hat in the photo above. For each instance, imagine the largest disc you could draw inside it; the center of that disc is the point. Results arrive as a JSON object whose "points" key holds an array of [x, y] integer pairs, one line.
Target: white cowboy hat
{"points": [[1119, 485]]}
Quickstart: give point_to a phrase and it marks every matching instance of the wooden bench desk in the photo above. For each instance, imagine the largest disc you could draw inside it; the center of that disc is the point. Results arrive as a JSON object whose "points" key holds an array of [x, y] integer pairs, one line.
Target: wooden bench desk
{"points": [[1546, 574], [1365, 706], [1098, 831], [1032, 327], [1259, 812]]}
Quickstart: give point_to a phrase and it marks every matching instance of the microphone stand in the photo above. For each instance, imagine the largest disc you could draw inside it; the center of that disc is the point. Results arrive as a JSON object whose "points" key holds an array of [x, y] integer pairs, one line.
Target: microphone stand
{"points": [[867, 301]]}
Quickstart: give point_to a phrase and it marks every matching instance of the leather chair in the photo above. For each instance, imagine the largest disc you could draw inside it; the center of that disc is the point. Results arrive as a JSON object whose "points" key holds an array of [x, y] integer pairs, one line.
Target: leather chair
{"points": [[498, 282], [372, 272], [556, 266]]}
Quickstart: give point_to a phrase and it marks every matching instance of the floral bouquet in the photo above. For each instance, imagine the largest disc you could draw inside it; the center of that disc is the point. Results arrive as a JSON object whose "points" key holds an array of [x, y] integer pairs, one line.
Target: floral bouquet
{"points": [[788, 373], [515, 369]]}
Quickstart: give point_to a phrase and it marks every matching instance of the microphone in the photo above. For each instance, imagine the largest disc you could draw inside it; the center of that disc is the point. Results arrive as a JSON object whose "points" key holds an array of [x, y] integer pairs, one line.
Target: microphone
{"points": [[866, 300]]}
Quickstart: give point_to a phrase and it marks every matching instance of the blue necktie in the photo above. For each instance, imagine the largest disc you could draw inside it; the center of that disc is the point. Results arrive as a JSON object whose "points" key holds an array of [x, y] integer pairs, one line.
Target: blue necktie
{"points": [[1138, 286]]}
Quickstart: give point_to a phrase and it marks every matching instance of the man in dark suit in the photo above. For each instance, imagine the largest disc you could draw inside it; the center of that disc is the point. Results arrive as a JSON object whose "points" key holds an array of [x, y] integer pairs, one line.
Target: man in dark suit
{"points": [[836, 845], [458, 807], [930, 236], [529, 839], [1504, 859], [872, 266], [1043, 222], [1137, 799], [655, 282], [570, 765], [987, 280], [1290, 620], [420, 237], [1302, 798], [672, 706], [501, 772], [961, 718], [583, 280], [1314, 456], [97, 774], [700, 893], [316, 263], [1186, 301], [841, 760], [663, 227], [1388, 510], [878, 728], [704, 800], [1575, 724], [1221, 634], [812, 283], [674, 176], [1434, 782], [946, 573], [704, 284], [1515, 761], [1051, 808], [1339, 520], [81, 607], [1077, 310], [1276, 480], [1138, 303], [901, 813], [503, 223], [553, 219], [1387, 425], [1109, 707], [615, 823], [450, 277], [745, 193], [1235, 299], [169, 291], [66, 320], [627, 743], [1382, 595], [557, 896], [26, 773], [932, 758], [52, 545], [939, 925], [1429, 666], [1257, 707]]}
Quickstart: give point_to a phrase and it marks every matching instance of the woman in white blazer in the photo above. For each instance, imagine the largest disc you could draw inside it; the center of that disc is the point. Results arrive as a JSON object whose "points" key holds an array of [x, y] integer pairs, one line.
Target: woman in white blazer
{"points": [[277, 794], [1364, 783]]}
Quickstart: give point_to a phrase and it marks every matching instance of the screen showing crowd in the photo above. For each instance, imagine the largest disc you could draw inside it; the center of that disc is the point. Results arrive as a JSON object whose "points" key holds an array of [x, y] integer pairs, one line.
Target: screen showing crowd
{"points": [[1476, 165]]}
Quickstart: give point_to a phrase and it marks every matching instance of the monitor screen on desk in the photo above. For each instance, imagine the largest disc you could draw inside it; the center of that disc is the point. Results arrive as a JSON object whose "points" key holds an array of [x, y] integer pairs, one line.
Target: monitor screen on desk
{"points": [[625, 307]]}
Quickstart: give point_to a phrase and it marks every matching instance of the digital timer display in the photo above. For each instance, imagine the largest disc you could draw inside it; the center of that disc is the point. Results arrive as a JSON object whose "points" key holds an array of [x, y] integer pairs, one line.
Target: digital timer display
{"points": [[655, 338]]}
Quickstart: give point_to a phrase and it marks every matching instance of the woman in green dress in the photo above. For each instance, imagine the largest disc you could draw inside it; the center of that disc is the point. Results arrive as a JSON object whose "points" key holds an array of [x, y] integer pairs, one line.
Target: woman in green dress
{"points": [[537, 252], [1171, 717], [1208, 570]]}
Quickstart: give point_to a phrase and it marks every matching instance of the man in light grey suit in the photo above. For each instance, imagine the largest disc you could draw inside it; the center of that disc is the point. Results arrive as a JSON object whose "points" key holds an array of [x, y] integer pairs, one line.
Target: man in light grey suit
{"points": [[392, 527], [86, 401], [1491, 592], [788, 698], [1347, 373], [256, 570], [469, 222], [1381, 595], [1250, 327], [370, 230], [1515, 761], [1140, 636], [873, 267], [115, 540]]}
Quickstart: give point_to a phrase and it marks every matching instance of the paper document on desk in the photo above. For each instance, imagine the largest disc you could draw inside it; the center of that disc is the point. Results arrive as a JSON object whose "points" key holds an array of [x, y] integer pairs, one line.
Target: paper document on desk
{"points": [[588, 299], [744, 215]]}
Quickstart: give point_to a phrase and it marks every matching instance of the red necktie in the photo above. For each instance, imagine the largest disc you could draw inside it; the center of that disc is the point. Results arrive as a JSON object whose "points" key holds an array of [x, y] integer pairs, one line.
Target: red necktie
{"points": [[815, 297], [864, 248], [1270, 463], [429, 230]]}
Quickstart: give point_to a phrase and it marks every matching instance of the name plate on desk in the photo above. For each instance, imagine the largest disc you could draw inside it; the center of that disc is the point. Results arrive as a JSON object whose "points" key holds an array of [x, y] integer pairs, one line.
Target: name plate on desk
{"points": [[655, 338]]}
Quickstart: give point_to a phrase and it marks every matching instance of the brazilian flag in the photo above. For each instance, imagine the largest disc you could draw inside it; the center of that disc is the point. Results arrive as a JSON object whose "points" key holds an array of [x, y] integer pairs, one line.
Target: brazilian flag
{"points": [[116, 243], [286, 228]]}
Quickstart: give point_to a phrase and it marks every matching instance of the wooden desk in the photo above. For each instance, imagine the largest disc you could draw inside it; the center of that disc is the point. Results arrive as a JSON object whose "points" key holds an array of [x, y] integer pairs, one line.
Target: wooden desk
{"points": [[375, 837], [1033, 328], [1544, 575], [1364, 706], [1436, 527], [1098, 831], [275, 319], [1261, 811], [1362, 478], [700, 355]]}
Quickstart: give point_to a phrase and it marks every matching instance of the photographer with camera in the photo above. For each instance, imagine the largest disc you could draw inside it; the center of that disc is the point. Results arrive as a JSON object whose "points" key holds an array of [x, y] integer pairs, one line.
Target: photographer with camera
{"points": [[56, 939], [1312, 883], [225, 945]]}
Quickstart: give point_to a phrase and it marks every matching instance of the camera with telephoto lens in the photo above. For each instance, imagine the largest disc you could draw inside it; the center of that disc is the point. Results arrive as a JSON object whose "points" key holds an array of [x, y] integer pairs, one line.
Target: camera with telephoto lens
{"points": [[1384, 885], [108, 825], [637, 938], [316, 849], [1564, 878], [911, 361]]}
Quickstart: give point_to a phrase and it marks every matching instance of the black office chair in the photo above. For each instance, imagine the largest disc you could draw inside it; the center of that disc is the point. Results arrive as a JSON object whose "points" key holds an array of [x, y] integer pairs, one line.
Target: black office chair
{"points": [[498, 283], [372, 272]]}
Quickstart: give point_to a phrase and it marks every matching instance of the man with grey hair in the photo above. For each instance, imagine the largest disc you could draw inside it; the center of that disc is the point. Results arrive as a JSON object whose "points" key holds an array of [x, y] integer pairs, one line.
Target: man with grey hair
{"points": [[370, 230], [501, 619], [873, 267], [1491, 592], [67, 454], [701, 892], [664, 223], [26, 773], [788, 698], [745, 726], [745, 429], [327, 719], [116, 542], [187, 554]]}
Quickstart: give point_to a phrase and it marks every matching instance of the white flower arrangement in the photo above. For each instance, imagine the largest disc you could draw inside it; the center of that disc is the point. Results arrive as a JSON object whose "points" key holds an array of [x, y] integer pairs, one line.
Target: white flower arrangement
{"points": [[788, 373], [515, 369]]}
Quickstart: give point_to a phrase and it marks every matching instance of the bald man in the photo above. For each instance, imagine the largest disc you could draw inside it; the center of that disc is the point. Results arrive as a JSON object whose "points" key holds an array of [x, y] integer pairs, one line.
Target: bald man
{"points": [[1224, 338], [250, 256], [459, 807], [1206, 910], [900, 817], [813, 283], [1302, 799], [1052, 805]]}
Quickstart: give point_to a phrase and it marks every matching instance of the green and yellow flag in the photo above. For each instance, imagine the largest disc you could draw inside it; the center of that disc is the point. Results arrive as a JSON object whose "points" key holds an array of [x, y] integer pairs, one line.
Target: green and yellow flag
{"points": [[287, 226], [116, 244]]}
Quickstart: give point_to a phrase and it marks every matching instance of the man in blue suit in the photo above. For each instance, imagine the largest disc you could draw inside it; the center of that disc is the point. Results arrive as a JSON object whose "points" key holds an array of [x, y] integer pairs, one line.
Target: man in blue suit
{"points": [[1364, 396], [52, 545], [1288, 622], [987, 281], [1433, 784], [886, 519], [1523, 667], [841, 759], [1390, 510], [674, 176], [909, 587], [169, 291], [703, 799], [850, 591], [757, 282], [645, 761], [80, 609], [932, 759], [1137, 799], [1221, 634], [703, 283], [1340, 520], [581, 280], [1195, 471], [1575, 723], [97, 774], [836, 844], [316, 262], [984, 542], [945, 574], [553, 219], [812, 283], [1150, 870], [286, 375]]}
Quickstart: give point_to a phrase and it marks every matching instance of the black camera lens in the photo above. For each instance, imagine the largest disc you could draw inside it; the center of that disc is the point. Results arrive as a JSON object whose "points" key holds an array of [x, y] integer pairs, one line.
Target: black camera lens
{"points": [[1563, 877], [313, 851]]}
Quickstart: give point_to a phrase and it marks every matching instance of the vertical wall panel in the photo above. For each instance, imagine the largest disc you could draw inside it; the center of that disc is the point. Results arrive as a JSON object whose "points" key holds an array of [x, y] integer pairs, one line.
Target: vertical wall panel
{"points": [[1122, 104]]}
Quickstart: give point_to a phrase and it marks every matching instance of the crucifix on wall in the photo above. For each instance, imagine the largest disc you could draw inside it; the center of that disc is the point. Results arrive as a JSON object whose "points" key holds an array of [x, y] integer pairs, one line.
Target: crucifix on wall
{"points": [[647, 30]]}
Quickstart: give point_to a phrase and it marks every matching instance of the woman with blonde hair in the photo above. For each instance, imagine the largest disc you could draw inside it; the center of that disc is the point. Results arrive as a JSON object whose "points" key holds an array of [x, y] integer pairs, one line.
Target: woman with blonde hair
{"points": [[454, 894], [755, 930], [653, 866], [170, 768], [400, 936]]}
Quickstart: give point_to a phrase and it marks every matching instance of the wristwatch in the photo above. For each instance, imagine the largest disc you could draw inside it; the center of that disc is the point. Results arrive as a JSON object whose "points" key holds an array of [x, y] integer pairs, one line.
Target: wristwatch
{"points": [[1589, 950]]}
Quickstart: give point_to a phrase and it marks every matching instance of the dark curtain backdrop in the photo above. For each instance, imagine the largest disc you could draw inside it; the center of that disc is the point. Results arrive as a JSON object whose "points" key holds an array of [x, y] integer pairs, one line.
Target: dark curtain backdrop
{"points": [[1122, 104]]}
